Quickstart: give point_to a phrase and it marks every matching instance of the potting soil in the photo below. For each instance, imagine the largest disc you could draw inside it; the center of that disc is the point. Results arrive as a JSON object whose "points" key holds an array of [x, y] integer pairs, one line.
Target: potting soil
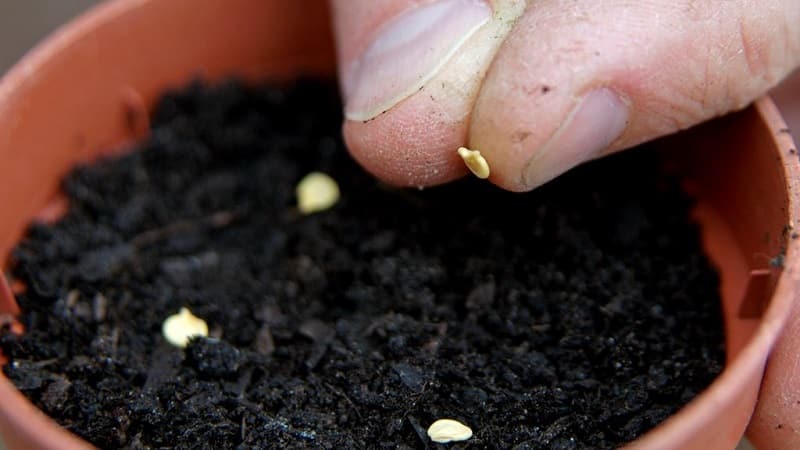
{"points": [[580, 315]]}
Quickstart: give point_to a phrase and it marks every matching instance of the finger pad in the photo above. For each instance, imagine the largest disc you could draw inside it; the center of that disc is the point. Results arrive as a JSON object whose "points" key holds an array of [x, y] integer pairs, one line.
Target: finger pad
{"points": [[414, 144]]}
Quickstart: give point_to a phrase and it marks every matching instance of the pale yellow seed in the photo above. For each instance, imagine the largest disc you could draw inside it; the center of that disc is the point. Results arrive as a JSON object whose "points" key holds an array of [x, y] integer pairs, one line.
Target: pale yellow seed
{"points": [[448, 430], [179, 328], [316, 192], [475, 162]]}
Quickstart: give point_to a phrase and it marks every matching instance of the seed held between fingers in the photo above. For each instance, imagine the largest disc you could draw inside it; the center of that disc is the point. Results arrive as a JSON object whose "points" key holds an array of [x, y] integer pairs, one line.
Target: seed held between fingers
{"points": [[448, 430], [316, 192], [179, 328], [475, 162]]}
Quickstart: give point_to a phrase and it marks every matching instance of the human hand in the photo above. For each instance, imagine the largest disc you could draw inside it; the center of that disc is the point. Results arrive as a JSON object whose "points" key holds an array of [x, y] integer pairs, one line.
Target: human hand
{"points": [[541, 86]]}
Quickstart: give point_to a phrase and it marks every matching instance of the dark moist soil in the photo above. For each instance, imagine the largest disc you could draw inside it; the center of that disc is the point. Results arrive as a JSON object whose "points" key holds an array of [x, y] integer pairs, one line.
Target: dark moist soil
{"points": [[577, 316]]}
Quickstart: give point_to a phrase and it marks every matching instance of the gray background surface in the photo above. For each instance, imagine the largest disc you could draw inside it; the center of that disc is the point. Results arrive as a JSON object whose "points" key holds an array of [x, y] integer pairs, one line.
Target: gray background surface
{"points": [[23, 23]]}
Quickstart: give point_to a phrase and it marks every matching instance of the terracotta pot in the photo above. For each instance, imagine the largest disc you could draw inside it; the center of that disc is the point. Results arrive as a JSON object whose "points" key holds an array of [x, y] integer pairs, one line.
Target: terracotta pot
{"points": [[89, 87]]}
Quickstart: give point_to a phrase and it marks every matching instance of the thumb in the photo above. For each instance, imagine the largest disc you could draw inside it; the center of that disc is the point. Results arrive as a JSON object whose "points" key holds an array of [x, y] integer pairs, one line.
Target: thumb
{"points": [[542, 86], [577, 80], [410, 71]]}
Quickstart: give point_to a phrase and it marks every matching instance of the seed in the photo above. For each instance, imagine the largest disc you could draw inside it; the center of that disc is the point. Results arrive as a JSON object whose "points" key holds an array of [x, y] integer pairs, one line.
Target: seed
{"points": [[475, 162], [316, 192], [448, 430], [179, 328]]}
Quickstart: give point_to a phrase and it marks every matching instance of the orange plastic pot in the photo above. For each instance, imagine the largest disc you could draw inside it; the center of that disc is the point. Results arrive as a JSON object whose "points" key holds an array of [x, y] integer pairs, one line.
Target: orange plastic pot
{"points": [[89, 88]]}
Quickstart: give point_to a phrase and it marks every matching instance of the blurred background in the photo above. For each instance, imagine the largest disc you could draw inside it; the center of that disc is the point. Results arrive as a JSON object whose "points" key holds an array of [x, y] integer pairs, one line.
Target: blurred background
{"points": [[23, 23]]}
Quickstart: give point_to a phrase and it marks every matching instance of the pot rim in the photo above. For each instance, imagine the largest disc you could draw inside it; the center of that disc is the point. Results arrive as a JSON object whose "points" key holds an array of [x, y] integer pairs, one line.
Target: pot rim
{"points": [[18, 413]]}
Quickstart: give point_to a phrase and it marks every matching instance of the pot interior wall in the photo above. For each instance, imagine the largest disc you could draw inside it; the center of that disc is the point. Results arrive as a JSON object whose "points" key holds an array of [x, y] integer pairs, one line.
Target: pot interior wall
{"points": [[92, 91], [730, 166]]}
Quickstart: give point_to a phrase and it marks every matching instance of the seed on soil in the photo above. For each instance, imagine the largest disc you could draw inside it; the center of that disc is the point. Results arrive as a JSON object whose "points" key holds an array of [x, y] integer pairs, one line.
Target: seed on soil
{"points": [[475, 162], [316, 192], [399, 290], [179, 328], [449, 430]]}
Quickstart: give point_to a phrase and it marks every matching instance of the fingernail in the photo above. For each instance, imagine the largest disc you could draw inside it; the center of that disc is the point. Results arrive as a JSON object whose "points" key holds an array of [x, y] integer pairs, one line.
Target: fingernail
{"points": [[408, 52], [593, 125]]}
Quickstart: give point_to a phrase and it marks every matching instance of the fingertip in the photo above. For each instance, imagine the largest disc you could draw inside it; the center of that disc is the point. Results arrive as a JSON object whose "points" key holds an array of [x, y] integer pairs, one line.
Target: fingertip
{"points": [[405, 149], [410, 88]]}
